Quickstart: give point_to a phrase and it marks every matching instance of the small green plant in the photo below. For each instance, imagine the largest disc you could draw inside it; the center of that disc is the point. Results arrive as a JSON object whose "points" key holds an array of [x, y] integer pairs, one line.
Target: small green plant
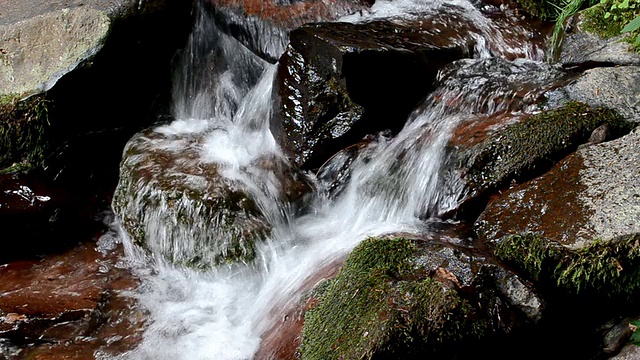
{"points": [[624, 6], [632, 26]]}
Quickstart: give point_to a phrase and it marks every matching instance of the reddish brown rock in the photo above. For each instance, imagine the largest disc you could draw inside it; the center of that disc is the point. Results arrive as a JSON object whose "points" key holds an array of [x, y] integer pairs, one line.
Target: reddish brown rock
{"points": [[69, 306]]}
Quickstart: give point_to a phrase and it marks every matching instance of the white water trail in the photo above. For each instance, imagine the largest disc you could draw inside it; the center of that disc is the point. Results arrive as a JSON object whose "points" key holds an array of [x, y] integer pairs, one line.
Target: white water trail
{"points": [[222, 313]]}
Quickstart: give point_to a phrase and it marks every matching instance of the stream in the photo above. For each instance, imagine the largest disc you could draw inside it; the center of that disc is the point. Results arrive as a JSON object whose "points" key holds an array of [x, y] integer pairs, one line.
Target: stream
{"points": [[399, 184]]}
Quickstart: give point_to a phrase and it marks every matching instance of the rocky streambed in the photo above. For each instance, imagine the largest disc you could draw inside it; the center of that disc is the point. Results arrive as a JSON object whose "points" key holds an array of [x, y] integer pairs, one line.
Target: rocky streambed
{"points": [[462, 194]]}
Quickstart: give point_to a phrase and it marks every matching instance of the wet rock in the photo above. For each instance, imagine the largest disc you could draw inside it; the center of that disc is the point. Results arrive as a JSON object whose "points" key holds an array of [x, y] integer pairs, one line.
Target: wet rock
{"points": [[396, 297], [335, 173], [73, 300], [613, 87], [263, 25], [575, 225], [339, 81], [582, 46], [508, 154], [175, 204]]}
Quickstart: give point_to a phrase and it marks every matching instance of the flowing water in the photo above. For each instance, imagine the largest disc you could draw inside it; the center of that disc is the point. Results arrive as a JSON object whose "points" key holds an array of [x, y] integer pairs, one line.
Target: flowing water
{"points": [[223, 94]]}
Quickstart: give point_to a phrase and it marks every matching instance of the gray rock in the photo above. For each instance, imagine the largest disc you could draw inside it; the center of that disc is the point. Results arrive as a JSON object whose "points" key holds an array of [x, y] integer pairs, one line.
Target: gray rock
{"points": [[38, 51], [41, 41], [613, 87], [581, 46]]}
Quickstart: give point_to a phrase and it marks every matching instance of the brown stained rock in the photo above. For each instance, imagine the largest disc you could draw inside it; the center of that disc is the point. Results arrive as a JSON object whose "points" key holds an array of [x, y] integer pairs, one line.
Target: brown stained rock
{"points": [[590, 195], [73, 301], [282, 339]]}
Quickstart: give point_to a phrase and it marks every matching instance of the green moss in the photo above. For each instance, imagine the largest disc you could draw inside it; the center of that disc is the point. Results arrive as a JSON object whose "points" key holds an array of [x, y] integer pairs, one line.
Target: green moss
{"points": [[376, 306], [23, 123], [511, 152], [603, 268], [608, 27], [542, 9]]}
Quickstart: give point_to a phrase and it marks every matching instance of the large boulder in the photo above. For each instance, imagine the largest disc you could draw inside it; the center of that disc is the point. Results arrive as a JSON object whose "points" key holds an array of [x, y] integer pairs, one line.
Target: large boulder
{"points": [[62, 60], [339, 81], [396, 297], [574, 226]]}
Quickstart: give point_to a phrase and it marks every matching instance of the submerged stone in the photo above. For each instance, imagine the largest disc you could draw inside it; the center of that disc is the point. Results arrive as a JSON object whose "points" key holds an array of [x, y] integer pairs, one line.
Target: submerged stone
{"points": [[175, 204], [577, 224]]}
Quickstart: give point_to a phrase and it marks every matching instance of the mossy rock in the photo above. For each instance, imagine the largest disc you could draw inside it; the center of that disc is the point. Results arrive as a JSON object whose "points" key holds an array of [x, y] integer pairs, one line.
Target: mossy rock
{"points": [[384, 304], [533, 144], [576, 225], [603, 268], [183, 209], [23, 123]]}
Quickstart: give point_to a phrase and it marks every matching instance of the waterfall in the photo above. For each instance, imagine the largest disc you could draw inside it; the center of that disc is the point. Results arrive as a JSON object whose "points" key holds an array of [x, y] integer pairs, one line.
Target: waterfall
{"points": [[223, 95]]}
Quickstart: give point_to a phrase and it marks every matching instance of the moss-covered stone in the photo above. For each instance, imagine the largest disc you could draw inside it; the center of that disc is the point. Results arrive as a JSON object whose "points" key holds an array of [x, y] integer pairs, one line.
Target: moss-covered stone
{"points": [[23, 123], [603, 268], [183, 209], [535, 141], [380, 306]]}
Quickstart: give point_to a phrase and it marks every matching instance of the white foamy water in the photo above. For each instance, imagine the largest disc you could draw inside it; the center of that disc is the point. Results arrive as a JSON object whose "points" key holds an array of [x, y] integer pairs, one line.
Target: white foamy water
{"points": [[222, 313]]}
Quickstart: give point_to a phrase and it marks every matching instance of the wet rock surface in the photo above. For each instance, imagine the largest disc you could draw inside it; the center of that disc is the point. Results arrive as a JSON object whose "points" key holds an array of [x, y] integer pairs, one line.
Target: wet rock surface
{"points": [[508, 154], [395, 296], [339, 81], [70, 305], [591, 195], [263, 25], [177, 204]]}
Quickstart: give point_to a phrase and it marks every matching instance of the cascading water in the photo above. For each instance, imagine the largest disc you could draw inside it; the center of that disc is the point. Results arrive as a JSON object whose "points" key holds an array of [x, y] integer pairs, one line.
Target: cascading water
{"points": [[221, 313]]}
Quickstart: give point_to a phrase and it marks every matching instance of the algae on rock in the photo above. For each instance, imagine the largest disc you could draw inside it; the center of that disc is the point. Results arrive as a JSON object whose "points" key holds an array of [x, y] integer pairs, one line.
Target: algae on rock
{"points": [[379, 305], [576, 225], [23, 123], [509, 153]]}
